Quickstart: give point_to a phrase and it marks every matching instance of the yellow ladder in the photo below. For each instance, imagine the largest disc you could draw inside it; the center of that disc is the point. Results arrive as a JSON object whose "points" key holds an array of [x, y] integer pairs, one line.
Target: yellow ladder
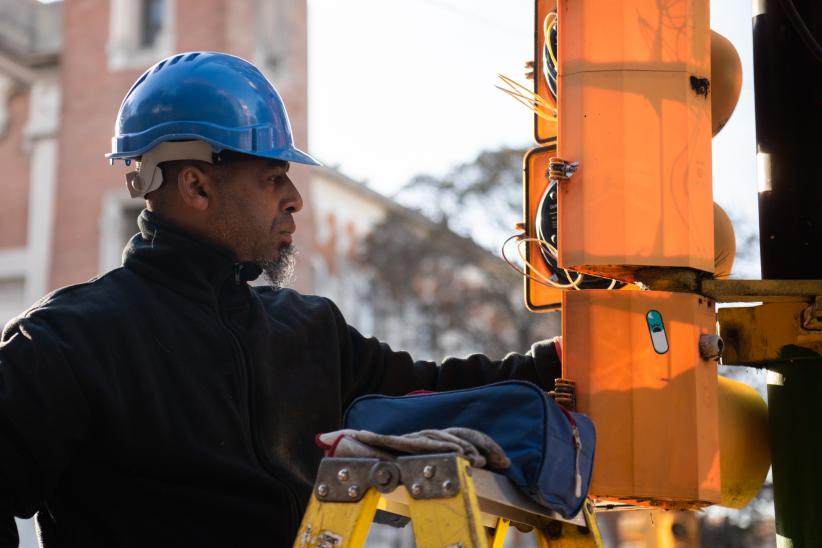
{"points": [[449, 503]]}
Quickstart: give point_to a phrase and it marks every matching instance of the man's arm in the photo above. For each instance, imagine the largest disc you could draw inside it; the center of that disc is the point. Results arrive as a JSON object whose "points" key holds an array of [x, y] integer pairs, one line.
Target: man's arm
{"points": [[373, 367], [43, 418]]}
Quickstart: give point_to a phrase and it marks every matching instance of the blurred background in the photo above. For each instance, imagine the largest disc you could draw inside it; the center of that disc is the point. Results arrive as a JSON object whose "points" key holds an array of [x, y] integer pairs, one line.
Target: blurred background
{"points": [[422, 183]]}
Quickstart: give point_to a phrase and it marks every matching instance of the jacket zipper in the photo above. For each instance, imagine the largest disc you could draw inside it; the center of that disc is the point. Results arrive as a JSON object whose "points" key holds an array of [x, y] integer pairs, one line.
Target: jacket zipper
{"points": [[240, 358]]}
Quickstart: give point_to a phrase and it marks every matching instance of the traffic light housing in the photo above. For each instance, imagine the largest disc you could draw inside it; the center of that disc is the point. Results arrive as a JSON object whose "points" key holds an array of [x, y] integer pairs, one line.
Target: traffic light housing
{"points": [[636, 108], [635, 112]]}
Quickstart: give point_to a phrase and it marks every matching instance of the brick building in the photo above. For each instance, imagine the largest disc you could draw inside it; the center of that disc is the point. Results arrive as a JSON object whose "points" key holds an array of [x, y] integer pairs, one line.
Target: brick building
{"points": [[64, 69]]}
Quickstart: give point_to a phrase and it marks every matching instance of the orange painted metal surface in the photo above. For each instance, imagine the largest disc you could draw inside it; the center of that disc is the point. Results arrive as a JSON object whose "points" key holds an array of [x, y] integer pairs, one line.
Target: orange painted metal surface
{"points": [[634, 109], [656, 414], [538, 297]]}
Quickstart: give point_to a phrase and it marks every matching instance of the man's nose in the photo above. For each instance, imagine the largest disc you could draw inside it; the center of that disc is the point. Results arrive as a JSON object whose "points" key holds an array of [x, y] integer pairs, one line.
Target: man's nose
{"points": [[294, 200]]}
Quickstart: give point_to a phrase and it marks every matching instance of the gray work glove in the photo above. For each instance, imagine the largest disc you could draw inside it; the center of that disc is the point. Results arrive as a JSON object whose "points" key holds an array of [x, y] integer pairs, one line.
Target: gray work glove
{"points": [[478, 448]]}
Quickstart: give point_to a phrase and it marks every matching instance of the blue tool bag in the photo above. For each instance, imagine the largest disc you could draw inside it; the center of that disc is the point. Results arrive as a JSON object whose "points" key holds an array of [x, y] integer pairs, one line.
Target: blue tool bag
{"points": [[551, 449]]}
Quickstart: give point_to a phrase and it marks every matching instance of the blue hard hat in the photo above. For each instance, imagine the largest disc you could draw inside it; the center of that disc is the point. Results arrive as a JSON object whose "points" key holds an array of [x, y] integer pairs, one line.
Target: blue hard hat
{"points": [[205, 96]]}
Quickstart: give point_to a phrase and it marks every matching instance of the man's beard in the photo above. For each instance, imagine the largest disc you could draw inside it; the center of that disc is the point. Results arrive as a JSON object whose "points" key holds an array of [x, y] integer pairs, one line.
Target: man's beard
{"points": [[279, 272]]}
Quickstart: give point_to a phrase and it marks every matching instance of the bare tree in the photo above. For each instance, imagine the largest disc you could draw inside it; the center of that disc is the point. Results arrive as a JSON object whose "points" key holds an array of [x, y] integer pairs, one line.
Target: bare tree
{"points": [[467, 295]]}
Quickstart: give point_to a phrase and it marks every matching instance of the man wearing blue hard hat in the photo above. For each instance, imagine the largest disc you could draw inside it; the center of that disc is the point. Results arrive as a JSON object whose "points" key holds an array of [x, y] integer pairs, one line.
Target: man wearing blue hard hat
{"points": [[168, 402]]}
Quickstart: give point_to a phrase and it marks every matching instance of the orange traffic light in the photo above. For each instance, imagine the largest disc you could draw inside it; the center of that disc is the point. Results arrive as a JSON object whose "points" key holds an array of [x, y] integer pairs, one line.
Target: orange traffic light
{"points": [[627, 97], [634, 111]]}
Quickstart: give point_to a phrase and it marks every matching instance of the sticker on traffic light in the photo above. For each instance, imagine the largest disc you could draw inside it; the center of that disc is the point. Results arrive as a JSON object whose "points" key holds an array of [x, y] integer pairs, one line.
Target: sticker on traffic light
{"points": [[657, 329]]}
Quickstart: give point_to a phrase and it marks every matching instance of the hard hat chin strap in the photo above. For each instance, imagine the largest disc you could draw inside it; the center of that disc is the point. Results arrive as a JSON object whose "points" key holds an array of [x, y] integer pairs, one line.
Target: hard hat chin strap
{"points": [[148, 176]]}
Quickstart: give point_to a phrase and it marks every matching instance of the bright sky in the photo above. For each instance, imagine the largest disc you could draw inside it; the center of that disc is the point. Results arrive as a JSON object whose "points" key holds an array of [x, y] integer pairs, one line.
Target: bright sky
{"points": [[398, 88]]}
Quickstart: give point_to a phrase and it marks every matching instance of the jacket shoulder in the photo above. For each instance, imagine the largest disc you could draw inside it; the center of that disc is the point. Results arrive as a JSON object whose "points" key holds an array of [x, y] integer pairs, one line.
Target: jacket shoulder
{"points": [[99, 298], [296, 304]]}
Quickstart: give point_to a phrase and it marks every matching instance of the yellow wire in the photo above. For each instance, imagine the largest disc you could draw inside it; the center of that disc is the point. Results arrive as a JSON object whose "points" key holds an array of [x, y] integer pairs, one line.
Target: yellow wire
{"points": [[531, 100], [539, 109], [550, 19]]}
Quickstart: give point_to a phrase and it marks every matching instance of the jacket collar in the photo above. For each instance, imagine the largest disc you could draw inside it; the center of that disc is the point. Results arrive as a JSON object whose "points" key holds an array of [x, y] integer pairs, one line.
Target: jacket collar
{"points": [[185, 262]]}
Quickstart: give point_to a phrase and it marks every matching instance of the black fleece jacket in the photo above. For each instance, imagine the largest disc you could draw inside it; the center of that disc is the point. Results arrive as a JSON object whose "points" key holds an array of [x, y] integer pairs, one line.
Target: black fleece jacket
{"points": [[169, 403]]}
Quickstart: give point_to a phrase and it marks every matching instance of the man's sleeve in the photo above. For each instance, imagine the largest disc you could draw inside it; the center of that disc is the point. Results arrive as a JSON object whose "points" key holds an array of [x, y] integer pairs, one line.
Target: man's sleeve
{"points": [[43, 418], [375, 368]]}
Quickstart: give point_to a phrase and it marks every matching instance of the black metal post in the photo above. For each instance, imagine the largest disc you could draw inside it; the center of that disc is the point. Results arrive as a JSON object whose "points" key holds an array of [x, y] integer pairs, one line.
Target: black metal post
{"points": [[788, 85]]}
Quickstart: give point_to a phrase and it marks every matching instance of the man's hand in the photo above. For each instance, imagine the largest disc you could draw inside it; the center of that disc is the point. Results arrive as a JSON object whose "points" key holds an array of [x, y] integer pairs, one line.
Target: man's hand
{"points": [[558, 346]]}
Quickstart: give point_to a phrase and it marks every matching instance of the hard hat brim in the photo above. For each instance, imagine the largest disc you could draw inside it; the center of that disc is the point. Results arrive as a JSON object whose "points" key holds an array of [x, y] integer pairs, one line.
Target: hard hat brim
{"points": [[288, 154]]}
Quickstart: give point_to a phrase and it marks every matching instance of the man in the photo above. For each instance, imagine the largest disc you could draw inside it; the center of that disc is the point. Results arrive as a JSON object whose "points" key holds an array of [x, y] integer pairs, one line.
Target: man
{"points": [[168, 402]]}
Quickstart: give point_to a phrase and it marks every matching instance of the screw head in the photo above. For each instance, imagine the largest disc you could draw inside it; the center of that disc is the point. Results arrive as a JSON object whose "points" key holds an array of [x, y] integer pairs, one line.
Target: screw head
{"points": [[416, 489], [322, 490], [382, 476], [428, 471], [552, 195], [343, 474], [447, 485], [353, 491]]}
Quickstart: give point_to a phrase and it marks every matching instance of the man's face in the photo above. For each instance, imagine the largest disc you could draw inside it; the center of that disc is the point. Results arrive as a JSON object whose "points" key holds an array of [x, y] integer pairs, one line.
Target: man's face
{"points": [[253, 213]]}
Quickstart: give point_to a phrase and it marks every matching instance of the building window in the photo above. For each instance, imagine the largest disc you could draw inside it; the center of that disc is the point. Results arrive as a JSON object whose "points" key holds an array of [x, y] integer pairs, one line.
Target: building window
{"points": [[118, 223], [141, 32], [13, 265], [273, 31], [152, 13], [12, 301]]}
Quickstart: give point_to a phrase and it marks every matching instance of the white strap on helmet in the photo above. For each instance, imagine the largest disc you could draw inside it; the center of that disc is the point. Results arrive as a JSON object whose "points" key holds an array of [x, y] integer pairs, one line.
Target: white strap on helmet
{"points": [[148, 176]]}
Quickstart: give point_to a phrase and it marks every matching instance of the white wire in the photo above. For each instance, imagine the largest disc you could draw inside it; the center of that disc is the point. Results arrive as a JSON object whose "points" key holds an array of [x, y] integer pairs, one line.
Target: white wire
{"points": [[535, 270], [543, 280], [571, 282], [515, 267]]}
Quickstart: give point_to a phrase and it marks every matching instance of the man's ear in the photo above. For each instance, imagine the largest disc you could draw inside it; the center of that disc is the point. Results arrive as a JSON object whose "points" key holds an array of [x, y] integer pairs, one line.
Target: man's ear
{"points": [[195, 187]]}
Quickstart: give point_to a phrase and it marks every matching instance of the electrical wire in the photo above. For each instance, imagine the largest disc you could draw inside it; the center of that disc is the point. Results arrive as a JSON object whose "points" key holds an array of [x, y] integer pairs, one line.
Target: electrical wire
{"points": [[541, 278], [801, 28], [549, 59], [531, 100], [551, 249], [550, 20], [571, 282], [512, 265]]}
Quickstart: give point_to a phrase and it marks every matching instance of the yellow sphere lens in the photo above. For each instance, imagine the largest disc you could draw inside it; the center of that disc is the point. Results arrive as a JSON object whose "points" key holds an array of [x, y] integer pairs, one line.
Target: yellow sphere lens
{"points": [[724, 243], [744, 445], [726, 80]]}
